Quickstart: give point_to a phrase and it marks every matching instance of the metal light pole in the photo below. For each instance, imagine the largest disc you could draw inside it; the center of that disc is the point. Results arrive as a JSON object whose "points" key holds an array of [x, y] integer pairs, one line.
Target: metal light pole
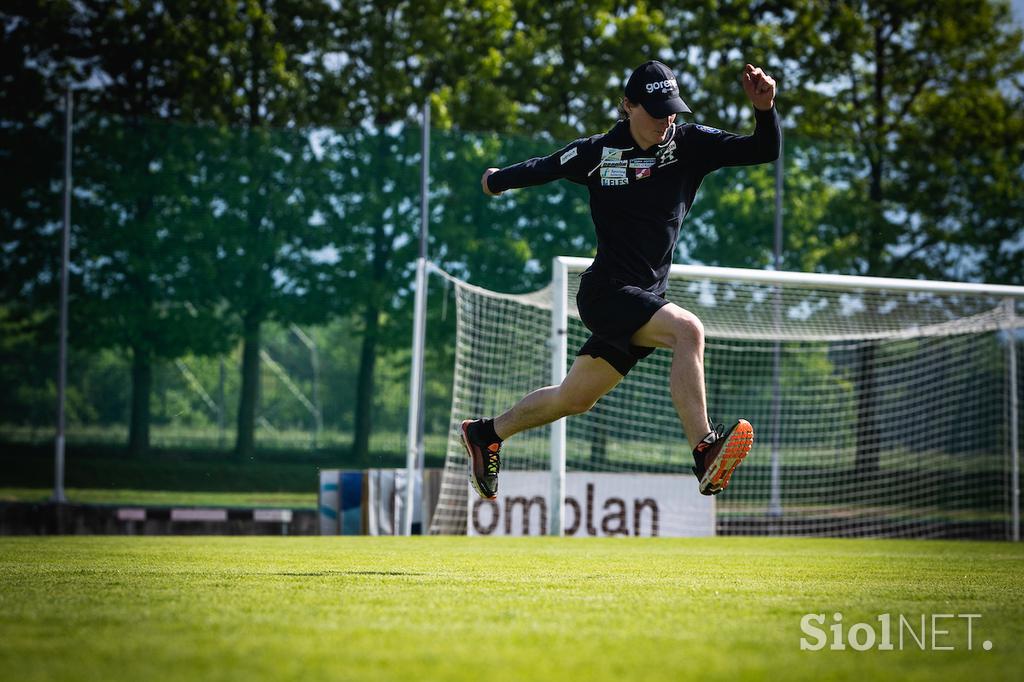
{"points": [[414, 441], [62, 362]]}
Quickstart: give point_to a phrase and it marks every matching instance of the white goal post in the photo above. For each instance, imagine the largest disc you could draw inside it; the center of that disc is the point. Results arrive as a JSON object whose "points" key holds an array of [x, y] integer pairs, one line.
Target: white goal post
{"points": [[895, 410]]}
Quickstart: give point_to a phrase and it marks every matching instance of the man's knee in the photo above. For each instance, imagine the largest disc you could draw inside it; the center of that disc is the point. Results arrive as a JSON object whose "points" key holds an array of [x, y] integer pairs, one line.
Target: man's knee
{"points": [[574, 402], [687, 330]]}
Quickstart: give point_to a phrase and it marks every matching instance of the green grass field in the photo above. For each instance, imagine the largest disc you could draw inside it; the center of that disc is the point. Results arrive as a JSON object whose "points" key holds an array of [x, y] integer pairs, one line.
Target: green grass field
{"points": [[216, 608], [164, 497]]}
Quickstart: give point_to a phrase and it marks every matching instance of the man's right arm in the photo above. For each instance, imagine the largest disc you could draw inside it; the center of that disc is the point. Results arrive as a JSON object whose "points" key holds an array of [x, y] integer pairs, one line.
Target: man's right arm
{"points": [[567, 162]]}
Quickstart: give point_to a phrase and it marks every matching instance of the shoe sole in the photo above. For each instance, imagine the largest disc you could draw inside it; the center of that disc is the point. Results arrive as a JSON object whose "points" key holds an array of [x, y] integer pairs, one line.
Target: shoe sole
{"points": [[735, 450], [469, 454]]}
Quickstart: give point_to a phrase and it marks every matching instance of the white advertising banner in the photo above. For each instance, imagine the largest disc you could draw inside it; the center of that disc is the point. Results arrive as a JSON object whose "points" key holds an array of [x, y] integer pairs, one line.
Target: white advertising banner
{"points": [[385, 501], [596, 504]]}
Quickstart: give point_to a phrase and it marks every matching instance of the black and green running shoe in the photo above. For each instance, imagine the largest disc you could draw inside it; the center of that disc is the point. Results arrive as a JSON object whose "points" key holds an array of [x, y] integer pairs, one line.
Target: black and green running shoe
{"points": [[485, 462]]}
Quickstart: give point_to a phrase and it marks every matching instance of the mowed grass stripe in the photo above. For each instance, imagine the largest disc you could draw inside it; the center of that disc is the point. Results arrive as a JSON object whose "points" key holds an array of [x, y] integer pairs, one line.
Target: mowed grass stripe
{"points": [[361, 608], [164, 497]]}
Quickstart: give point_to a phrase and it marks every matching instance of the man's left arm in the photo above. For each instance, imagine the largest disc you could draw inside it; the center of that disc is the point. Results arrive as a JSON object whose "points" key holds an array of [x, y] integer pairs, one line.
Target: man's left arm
{"points": [[726, 149]]}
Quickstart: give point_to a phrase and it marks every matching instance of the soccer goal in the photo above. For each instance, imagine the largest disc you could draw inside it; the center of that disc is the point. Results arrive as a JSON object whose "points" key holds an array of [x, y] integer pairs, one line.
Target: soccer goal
{"points": [[882, 407]]}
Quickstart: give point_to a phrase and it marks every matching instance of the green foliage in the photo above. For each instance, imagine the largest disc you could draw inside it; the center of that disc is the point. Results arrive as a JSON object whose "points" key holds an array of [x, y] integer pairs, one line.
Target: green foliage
{"points": [[245, 165], [506, 243], [567, 62], [142, 275], [920, 104]]}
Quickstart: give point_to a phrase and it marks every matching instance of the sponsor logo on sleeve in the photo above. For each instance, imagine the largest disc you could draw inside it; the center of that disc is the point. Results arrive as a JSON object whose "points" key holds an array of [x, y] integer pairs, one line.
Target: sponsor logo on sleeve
{"points": [[708, 129], [569, 155]]}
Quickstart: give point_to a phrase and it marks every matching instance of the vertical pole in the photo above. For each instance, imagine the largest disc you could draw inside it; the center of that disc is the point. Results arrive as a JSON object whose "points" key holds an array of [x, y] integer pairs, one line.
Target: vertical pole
{"points": [[414, 440], [314, 356], [1014, 421], [424, 234], [314, 363], [415, 394], [62, 362], [221, 403], [559, 342], [775, 500], [425, 179]]}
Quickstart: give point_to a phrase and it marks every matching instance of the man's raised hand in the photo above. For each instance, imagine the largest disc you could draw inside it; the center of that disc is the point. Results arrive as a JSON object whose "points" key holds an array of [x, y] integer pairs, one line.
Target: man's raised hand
{"points": [[759, 86], [483, 182]]}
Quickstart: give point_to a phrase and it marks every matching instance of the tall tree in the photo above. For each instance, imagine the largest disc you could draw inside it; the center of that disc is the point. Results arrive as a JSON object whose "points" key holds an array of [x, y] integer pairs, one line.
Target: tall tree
{"points": [[144, 282], [919, 104], [398, 54], [31, 163], [519, 66], [149, 289], [270, 57], [119, 57], [250, 65]]}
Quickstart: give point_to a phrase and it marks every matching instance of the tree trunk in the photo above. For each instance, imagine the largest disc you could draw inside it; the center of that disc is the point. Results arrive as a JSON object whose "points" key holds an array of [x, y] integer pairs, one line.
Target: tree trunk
{"points": [[142, 387], [364, 386], [868, 451], [371, 324], [245, 436], [245, 439]]}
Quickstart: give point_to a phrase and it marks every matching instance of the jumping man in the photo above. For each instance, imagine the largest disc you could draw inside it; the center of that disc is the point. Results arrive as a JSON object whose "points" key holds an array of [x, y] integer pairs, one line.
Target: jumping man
{"points": [[642, 176]]}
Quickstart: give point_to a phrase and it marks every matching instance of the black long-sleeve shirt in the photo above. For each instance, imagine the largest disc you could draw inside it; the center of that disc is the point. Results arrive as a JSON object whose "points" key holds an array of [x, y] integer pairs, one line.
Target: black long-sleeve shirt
{"points": [[638, 197]]}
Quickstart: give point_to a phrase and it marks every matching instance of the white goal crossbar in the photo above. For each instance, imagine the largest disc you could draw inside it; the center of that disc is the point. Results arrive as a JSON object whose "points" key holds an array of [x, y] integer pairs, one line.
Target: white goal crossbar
{"points": [[815, 280]]}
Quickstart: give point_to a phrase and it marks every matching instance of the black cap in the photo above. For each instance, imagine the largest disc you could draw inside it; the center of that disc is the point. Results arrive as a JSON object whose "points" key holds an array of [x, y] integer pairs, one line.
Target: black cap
{"points": [[653, 86]]}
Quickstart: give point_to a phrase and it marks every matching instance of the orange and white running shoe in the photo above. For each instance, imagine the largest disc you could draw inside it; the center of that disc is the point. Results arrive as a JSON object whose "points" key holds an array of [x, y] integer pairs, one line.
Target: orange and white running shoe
{"points": [[719, 453]]}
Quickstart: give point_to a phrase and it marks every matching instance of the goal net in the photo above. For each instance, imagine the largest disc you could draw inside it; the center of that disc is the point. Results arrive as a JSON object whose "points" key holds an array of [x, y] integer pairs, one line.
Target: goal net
{"points": [[881, 407]]}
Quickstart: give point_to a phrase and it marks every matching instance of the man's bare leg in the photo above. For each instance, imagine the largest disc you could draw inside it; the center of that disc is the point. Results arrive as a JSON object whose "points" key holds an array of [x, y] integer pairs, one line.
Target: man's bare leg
{"points": [[680, 331], [717, 455], [587, 380]]}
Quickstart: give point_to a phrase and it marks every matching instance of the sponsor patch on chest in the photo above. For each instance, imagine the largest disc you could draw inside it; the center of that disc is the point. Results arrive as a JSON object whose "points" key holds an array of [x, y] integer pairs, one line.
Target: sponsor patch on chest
{"points": [[613, 172], [667, 154], [614, 182], [641, 163], [641, 173], [611, 153]]}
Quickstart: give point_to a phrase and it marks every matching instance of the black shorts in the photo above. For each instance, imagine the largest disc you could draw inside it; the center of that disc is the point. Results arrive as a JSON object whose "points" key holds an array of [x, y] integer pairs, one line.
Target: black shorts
{"points": [[613, 312]]}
